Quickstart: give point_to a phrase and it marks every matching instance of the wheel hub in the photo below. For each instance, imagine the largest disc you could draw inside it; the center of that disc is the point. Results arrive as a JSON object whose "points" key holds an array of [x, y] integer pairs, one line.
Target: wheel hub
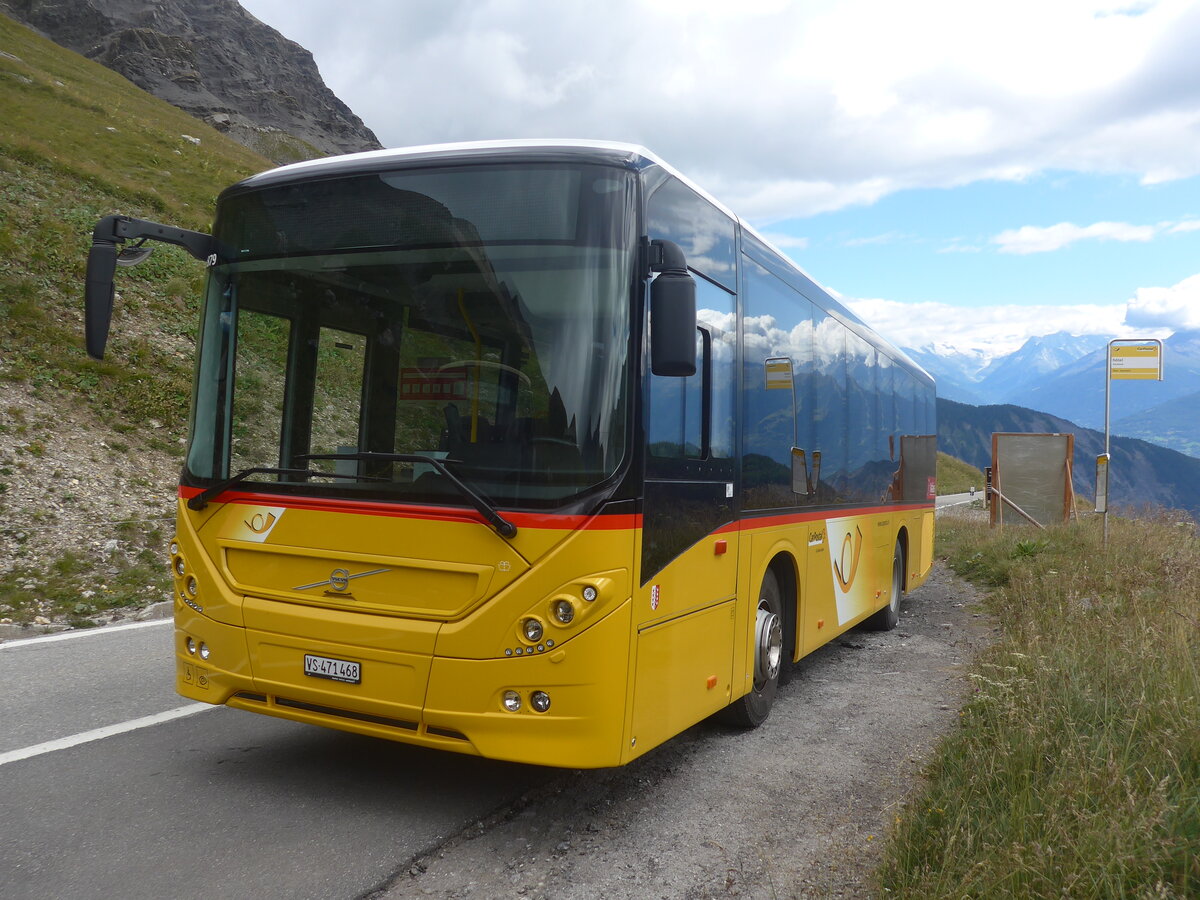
{"points": [[768, 645]]}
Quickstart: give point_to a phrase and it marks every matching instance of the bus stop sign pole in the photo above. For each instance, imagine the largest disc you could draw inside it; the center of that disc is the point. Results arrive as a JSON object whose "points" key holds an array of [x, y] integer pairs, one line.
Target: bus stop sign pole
{"points": [[1129, 359]]}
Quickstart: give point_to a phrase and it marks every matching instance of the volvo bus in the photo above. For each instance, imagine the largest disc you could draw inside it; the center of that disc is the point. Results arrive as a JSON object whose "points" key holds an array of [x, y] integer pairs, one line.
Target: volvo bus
{"points": [[529, 450]]}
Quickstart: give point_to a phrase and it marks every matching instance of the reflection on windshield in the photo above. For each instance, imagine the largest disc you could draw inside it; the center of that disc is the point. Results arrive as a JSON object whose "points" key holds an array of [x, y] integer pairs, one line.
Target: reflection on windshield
{"points": [[506, 362]]}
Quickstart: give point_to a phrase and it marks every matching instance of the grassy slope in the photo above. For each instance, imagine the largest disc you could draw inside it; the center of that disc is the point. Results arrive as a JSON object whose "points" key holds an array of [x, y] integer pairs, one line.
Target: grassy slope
{"points": [[1076, 769], [83, 445], [81, 142], [955, 476]]}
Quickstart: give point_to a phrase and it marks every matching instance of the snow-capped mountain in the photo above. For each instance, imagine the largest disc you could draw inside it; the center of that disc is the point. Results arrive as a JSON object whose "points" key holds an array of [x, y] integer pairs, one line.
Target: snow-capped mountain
{"points": [[1063, 375]]}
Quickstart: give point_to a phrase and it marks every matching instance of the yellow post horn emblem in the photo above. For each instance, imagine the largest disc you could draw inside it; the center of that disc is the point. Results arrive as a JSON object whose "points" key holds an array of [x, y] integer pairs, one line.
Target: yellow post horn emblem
{"points": [[854, 544]]}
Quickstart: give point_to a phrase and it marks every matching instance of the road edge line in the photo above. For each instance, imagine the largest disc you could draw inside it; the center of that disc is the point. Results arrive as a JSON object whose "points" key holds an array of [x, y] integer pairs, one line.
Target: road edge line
{"points": [[96, 734]]}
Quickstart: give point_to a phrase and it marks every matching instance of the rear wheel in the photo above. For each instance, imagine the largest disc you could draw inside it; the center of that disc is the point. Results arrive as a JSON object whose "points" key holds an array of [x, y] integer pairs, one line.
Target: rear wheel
{"points": [[889, 617], [752, 709]]}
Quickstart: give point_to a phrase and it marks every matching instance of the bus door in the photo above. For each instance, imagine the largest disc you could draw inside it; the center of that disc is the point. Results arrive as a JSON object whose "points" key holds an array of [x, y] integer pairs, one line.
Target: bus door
{"points": [[685, 603]]}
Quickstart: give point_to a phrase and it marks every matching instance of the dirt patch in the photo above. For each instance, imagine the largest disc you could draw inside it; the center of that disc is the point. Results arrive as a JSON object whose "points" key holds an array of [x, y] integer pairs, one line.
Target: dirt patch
{"points": [[797, 808]]}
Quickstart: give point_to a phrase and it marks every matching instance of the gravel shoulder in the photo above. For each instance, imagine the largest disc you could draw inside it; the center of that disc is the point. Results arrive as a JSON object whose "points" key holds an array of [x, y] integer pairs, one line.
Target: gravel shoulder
{"points": [[796, 808]]}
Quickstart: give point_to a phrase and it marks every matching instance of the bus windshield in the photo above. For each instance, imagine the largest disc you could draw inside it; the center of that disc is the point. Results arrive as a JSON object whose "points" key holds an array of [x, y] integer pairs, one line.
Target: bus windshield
{"points": [[478, 316]]}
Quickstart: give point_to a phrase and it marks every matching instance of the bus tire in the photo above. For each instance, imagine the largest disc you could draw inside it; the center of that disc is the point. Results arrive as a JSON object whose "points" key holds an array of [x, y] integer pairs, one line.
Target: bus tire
{"points": [[752, 709], [889, 617]]}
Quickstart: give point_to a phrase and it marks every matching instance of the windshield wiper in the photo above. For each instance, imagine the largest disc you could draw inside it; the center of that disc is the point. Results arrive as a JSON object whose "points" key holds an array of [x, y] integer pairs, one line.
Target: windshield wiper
{"points": [[503, 527], [201, 499]]}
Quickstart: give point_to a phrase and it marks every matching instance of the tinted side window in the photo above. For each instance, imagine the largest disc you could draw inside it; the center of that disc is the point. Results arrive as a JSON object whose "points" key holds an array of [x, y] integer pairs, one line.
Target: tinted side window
{"points": [[693, 417], [705, 234], [777, 381], [829, 345]]}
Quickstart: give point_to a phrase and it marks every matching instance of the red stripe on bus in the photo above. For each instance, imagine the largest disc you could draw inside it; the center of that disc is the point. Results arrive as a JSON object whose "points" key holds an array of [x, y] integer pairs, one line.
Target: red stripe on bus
{"points": [[825, 515], [544, 521]]}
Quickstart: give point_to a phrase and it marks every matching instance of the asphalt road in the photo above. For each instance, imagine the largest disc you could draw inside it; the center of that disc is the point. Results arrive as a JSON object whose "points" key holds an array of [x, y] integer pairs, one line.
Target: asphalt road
{"points": [[214, 803]]}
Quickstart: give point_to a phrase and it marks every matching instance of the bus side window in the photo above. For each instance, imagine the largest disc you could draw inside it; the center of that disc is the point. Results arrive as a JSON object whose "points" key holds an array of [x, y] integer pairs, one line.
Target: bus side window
{"points": [[678, 424]]}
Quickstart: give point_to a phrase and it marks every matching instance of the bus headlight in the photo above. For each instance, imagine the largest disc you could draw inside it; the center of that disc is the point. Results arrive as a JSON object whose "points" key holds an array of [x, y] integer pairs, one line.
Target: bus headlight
{"points": [[512, 701], [589, 593], [540, 701], [180, 569], [192, 587], [191, 646], [532, 629], [564, 611]]}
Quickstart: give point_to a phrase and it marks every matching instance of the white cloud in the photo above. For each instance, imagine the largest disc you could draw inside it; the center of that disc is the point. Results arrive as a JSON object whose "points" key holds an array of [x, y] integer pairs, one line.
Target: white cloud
{"points": [[988, 331], [1031, 239], [983, 330], [1176, 307], [783, 109]]}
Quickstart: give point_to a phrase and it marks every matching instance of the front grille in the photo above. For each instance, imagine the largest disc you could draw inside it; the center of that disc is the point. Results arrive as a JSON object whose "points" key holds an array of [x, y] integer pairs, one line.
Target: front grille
{"points": [[346, 714]]}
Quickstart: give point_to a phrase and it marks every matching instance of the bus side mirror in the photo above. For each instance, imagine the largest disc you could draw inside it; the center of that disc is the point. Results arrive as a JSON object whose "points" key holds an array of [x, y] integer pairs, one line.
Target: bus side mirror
{"points": [[98, 295], [104, 258], [672, 313]]}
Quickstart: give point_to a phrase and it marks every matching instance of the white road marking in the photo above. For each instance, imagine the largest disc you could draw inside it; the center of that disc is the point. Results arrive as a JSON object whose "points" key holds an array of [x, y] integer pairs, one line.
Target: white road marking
{"points": [[81, 632], [97, 734]]}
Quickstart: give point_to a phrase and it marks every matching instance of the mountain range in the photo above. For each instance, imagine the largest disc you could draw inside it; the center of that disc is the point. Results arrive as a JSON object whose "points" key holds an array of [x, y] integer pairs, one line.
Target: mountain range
{"points": [[1063, 375]]}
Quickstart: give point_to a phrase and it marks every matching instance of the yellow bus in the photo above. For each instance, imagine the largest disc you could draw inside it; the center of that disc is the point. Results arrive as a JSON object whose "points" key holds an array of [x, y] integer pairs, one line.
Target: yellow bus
{"points": [[530, 450]]}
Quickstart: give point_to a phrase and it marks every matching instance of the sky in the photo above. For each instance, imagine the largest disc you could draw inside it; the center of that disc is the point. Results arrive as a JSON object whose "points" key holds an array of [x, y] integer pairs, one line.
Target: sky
{"points": [[963, 175]]}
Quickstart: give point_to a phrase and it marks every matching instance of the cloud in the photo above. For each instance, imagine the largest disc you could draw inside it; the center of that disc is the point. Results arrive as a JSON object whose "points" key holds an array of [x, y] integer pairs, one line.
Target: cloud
{"points": [[988, 331], [1176, 307], [781, 109], [1031, 239]]}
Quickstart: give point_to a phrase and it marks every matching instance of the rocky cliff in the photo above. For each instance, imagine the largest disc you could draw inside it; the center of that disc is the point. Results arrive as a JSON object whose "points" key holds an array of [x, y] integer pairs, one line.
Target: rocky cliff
{"points": [[214, 60]]}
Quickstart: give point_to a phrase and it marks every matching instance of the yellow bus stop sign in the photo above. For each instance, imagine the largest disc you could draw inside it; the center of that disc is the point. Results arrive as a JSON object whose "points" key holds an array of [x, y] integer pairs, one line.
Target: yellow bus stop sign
{"points": [[1135, 362]]}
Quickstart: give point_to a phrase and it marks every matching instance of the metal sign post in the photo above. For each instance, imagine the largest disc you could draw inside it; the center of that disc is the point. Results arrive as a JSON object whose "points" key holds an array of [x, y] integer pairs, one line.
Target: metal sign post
{"points": [[1129, 359]]}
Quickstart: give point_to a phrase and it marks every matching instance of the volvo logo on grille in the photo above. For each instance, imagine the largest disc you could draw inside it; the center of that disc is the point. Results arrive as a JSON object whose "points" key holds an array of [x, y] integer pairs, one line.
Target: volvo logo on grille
{"points": [[338, 581]]}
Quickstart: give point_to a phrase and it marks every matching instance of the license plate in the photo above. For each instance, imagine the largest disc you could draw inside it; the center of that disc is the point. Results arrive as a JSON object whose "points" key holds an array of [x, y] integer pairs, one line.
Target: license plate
{"points": [[333, 669]]}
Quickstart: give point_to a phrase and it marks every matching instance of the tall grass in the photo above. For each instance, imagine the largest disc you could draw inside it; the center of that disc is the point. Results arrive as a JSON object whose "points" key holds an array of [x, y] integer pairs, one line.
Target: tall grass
{"points": [[1075, 771]]}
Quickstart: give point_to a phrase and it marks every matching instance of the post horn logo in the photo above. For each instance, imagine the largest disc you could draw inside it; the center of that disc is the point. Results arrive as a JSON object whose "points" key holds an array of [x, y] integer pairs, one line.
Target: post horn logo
{"points": [[846, 566]]}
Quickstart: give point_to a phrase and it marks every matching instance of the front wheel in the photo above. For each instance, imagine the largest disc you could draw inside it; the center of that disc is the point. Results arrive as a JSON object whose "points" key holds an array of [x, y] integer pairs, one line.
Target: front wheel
{"points": [[752, 709], [889, 617]]}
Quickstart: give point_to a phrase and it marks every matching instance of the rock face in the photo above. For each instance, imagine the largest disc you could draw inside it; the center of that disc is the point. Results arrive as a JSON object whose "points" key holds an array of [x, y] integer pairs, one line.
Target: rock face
{"points": [[214, 60]]}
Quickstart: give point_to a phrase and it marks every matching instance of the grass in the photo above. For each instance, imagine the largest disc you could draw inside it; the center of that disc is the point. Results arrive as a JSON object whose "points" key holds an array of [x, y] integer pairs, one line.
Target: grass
{"points": [[75, 587], [1075, 771], [80, 142], [955, 476]]}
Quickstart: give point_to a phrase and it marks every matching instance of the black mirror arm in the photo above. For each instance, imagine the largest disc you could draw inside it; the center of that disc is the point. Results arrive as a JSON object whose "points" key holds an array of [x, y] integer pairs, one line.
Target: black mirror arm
{"points": [[118, 229], [667, 256]]}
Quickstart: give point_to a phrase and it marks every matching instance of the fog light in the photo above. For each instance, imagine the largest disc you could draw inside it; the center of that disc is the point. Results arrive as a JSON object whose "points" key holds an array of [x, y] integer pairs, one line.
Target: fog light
{"points": [[512, 701], [539, 700], [532, 629], [204, 651], [179, 568], [191, 586], [564, 611], [191, 646], [589, 593]]}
